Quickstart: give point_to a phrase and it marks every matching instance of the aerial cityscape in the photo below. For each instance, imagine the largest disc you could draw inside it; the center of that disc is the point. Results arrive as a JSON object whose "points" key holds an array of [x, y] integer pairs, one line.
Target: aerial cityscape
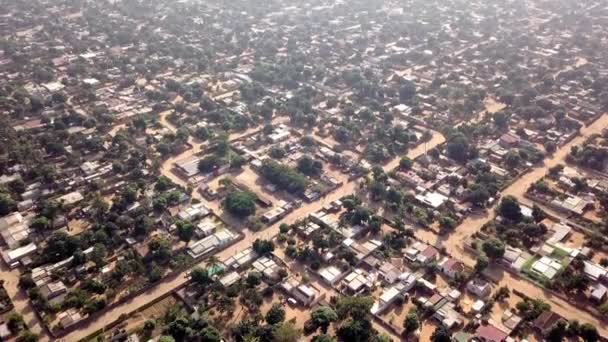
{"points": [[304, 170]]}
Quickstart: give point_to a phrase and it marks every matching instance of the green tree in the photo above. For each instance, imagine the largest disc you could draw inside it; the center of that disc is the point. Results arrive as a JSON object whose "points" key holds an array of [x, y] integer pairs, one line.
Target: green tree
{"points": [[530, 309], [538, 214], [237, 161], [240, 203], [160, 248], [588, 332], [447, 223], [513, 159], [355, 313], [276, 314], [263, 247], [98, 255], [502, 293], [185, 230], [482, 263], [208, 163], [407, 91], [254, 278], [40, 223], [7, 204], [286, 332], [458, 147], [60, 246], [558, 332], [200, 276], [309, 166], [411, 322], [494, 248], [510, 209], [406, 163], [27, 336], [15, 322], [154, 273], [210, 334], [441, 334], [323, 316], [277, 152], [323, 338]]}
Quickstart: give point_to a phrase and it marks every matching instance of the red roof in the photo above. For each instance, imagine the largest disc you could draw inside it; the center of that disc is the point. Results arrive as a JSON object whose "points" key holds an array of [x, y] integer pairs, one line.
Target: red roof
{"points": [[490, 333], [453, 265]]}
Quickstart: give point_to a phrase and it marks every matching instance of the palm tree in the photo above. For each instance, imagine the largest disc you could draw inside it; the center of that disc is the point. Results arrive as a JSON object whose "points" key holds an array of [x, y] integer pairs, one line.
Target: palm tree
{"points": [[212, 262], [251, 338]]}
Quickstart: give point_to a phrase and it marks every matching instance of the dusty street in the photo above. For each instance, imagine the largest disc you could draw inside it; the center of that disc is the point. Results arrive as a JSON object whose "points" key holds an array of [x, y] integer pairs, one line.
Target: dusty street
{"points": [[171, 283], [453, 242]]}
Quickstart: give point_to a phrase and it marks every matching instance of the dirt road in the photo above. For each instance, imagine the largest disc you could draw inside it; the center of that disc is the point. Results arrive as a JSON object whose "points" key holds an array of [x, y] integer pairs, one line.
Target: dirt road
{"points": [[169, 284], [21, 301], [455, 241]]}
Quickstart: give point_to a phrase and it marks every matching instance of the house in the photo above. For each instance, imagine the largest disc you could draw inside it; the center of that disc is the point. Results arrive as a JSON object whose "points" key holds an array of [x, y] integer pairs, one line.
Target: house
{"points": [[5, 332], [267, 267], [509, 140], [54, 289], [594, 271], [71, 198], [69, 318], [572, 204], [193, 213], [357, 282], [428, 255], [210, 243], [545, 321], [598, 292], [432, 199], [451, 267], [330, 274], [388, 273], [388, 297], [490, 333], [306, 294], [479, 287], [14, 229], [13, 257], [241, 259], [206, 227], [229, 279], [273, 215], [446, 314]]}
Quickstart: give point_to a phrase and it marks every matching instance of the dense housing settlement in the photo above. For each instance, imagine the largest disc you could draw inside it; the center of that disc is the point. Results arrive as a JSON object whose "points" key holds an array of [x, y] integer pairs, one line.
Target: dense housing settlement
{"points": [[287, 170]]}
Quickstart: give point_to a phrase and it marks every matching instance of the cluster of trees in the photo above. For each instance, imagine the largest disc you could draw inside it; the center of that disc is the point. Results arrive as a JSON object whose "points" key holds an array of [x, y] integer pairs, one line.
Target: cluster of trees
{"points": [[283, 176], [222, 155], [240, 203], [573, 279], [459, 148], [16, 325], [357, 214], [178, 325], [589, 155], [310, 166], [530, 309], [355, 320], [517, 229]]}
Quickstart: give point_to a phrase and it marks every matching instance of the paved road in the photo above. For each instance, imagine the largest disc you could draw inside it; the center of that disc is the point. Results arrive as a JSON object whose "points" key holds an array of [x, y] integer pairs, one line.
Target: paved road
{"points": [[167, 285]]}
